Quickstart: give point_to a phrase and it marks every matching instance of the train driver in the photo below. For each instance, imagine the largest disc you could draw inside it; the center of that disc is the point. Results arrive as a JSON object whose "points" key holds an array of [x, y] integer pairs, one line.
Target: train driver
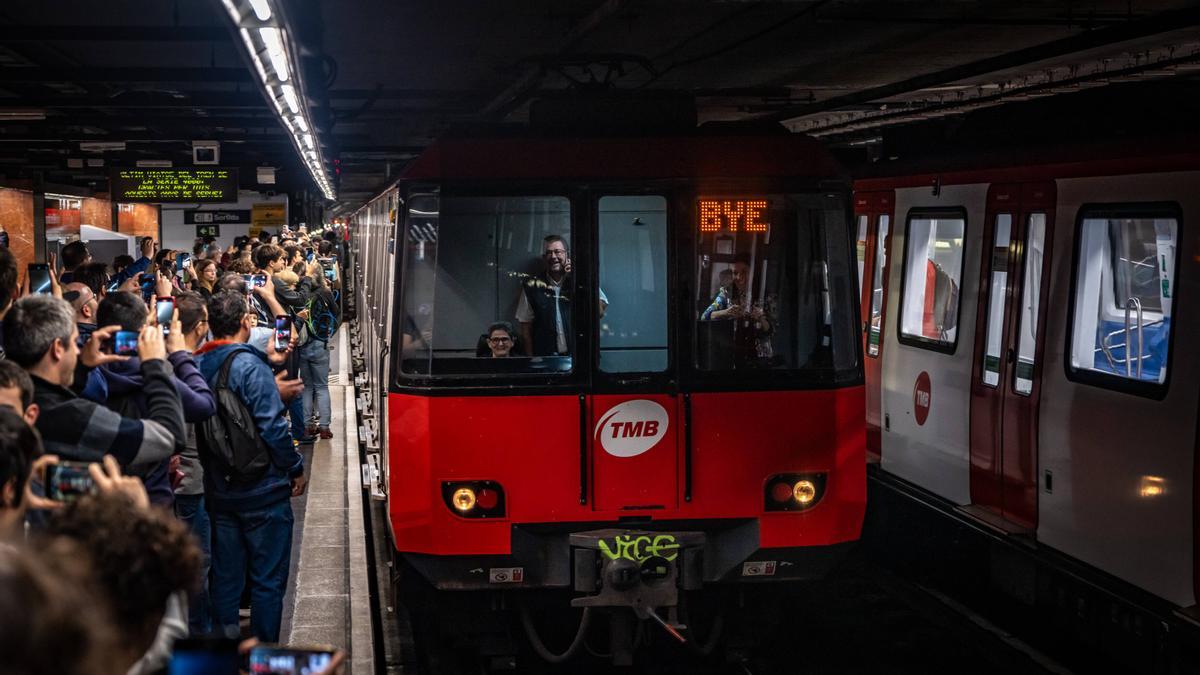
{"points": [[544, 307], [752, 329]]}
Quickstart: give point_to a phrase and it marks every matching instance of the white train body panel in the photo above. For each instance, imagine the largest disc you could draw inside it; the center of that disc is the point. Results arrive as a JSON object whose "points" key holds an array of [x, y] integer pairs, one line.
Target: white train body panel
{"points": [[934, 455], [1121, 464], [1106, 449]]}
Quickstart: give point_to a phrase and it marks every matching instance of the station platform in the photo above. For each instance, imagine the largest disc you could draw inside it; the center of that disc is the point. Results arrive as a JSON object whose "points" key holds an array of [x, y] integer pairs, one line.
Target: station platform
{"points": [[328, 598]]}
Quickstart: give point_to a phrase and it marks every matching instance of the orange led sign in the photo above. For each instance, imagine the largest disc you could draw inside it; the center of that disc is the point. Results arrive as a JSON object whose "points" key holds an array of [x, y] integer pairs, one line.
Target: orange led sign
{"points": [[735, 215]]}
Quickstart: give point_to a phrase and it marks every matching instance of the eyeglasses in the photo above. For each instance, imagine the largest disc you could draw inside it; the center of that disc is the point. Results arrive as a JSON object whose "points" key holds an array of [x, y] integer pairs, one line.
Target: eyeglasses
{"points": [[499, 340]]}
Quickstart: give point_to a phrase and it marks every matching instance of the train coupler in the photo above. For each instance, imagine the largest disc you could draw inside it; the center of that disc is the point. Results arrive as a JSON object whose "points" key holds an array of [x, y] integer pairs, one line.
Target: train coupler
{"points": [[640, 570]]}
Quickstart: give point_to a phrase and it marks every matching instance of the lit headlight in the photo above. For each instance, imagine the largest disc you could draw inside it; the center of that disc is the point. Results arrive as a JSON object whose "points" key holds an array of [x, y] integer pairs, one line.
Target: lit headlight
{"points": [[474, 498], [463, 499], [793, 491]]}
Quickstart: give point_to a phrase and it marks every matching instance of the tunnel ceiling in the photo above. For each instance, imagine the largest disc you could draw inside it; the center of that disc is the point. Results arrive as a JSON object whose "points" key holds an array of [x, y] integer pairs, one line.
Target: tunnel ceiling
{"points": [[384, 77]]}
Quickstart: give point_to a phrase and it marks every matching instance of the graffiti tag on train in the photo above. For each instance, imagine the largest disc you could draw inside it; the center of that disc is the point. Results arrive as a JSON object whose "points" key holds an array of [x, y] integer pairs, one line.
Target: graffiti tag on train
{"points": [[641, 547]]}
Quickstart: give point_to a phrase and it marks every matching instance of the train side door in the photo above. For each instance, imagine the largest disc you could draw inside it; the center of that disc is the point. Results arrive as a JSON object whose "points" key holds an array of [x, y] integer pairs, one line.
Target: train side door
{"points": [[633, 422], [1006, 375], [873, 216]]}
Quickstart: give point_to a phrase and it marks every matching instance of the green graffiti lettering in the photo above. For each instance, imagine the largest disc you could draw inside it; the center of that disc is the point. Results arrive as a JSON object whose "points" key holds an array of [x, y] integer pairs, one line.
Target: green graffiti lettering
{"points": [[640, 548]]}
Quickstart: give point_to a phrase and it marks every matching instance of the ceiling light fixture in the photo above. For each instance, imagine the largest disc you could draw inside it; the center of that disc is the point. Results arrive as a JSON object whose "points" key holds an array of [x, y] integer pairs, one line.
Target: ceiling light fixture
{"points": [[264, 34]]}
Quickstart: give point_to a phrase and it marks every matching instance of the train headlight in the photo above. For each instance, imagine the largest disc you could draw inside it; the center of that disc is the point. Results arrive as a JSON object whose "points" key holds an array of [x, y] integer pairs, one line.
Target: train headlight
{"points": [[804, 492], [474, 498], [793, 491], [463, 499]]}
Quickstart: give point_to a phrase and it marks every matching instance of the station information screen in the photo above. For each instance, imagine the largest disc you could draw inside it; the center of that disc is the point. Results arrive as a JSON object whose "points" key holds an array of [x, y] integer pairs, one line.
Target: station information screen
{"points": [[186, 185], [745, 214]]}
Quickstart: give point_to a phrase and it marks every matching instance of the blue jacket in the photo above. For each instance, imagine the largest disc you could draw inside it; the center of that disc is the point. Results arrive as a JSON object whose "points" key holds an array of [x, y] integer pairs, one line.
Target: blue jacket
{"points": [[121, 387], [251, 379]]}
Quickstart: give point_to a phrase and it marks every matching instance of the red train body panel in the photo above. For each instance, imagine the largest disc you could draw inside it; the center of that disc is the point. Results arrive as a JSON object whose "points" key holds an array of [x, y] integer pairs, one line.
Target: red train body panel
{"points": [[537, 462]]}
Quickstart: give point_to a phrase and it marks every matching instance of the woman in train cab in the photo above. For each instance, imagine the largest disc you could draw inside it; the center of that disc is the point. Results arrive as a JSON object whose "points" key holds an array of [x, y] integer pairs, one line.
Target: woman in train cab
{"points": [[500, 340]]}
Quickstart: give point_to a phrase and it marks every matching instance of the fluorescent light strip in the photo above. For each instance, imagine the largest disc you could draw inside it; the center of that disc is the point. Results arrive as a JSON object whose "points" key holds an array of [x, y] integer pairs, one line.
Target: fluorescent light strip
{"points": [[272, 38], [275, 80], [261, 9], [289, 95]]}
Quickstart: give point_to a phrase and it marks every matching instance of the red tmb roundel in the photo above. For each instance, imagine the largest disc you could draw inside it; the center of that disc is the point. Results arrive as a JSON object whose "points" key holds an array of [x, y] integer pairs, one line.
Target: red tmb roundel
{"points": [[922, 397]]}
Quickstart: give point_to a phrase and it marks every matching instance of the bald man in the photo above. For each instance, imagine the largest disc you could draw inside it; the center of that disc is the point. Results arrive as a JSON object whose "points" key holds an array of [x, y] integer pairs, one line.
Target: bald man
{"points": [[84, 302]]}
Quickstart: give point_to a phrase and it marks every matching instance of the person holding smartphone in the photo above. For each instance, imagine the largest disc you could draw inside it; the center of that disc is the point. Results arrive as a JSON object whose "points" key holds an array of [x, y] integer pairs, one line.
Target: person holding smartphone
{"points": [[40, 336], [120, 385]]}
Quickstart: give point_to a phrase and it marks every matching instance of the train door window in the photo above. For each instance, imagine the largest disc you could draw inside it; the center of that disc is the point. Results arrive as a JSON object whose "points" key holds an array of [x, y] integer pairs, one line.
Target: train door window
{"points": [[860, 249], [765, 265], [1124, 291], [996, 296], [481, 293], [875, 330], [632, 291], [1031, 295], [933, 263]]}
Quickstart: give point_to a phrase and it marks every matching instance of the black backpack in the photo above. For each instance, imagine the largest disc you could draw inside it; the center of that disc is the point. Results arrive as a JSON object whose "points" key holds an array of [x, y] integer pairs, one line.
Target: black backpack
{"points": [[230, 437]]}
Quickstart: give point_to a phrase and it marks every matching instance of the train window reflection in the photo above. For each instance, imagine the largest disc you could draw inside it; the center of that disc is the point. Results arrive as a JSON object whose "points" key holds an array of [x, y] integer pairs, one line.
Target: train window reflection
{"points": [[764, 299], [1124, 289], [478, 267], [1031, 296], [633, 272], [875, 329], [932, 280], [860, 250], [997, 292]]}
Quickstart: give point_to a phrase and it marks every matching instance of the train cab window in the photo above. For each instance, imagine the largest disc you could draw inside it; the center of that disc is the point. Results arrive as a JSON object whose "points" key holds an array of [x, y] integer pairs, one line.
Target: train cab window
{"points": [[1124, 291], [476, 267], [764, 268], [875, 329], [633, 273], [933, 262]]}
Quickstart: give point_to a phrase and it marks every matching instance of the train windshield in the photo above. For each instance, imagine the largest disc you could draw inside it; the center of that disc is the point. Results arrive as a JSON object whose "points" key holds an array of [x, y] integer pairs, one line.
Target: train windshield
{"points": [[491, 286], [775, 286], [474, 268]]}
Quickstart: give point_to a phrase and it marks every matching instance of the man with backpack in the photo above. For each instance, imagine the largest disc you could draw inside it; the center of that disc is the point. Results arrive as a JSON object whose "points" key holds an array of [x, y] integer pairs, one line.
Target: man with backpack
{"points": [[251, 470]]}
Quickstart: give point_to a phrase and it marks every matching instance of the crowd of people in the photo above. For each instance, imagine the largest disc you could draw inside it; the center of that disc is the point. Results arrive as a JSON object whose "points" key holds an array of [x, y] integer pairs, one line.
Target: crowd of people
{"points": [[152, 413]]}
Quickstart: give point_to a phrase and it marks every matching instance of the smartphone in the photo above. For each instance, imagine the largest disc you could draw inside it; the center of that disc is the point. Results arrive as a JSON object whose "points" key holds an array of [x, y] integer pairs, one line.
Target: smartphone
{"points": [[331, 273], [68, 481], [124, 343], [39, 278], [283, 332], [204, 656], [164, 311], [112, 286], [258, 280], [280, 660], [182, 263]]}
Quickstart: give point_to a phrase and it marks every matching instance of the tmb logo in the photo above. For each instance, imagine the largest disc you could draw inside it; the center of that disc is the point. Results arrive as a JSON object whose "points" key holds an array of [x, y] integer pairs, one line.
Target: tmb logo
{"points": [[632, 427]]}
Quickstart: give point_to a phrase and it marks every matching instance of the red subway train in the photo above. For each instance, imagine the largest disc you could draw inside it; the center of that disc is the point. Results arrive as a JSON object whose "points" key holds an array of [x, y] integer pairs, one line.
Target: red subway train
{"points": [[1029, 330], [618, 371]]}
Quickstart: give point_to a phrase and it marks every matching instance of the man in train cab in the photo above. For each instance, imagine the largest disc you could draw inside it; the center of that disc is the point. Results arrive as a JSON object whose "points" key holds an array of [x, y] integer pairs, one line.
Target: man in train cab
{"points": [[500, 340], [544, 307], [732, 302]]}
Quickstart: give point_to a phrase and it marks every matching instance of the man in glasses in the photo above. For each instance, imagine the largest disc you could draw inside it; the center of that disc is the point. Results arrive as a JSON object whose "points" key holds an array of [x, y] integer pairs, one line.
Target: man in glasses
{"points": [[544, 309], [500, 339]]}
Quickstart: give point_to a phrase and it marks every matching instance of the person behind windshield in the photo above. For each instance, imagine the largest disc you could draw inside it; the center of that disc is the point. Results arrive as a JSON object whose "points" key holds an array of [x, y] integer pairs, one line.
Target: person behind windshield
{"points": [[500, 339], [733, 301], [544, 308]]}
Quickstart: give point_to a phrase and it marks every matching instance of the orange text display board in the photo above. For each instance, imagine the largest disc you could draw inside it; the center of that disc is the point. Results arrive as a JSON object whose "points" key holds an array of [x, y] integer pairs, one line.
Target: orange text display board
{"points": [[733, 215]]}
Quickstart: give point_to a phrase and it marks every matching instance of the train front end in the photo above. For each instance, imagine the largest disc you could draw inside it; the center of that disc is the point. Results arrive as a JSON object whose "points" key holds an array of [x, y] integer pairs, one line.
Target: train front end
{"points": [[627, 371]]}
